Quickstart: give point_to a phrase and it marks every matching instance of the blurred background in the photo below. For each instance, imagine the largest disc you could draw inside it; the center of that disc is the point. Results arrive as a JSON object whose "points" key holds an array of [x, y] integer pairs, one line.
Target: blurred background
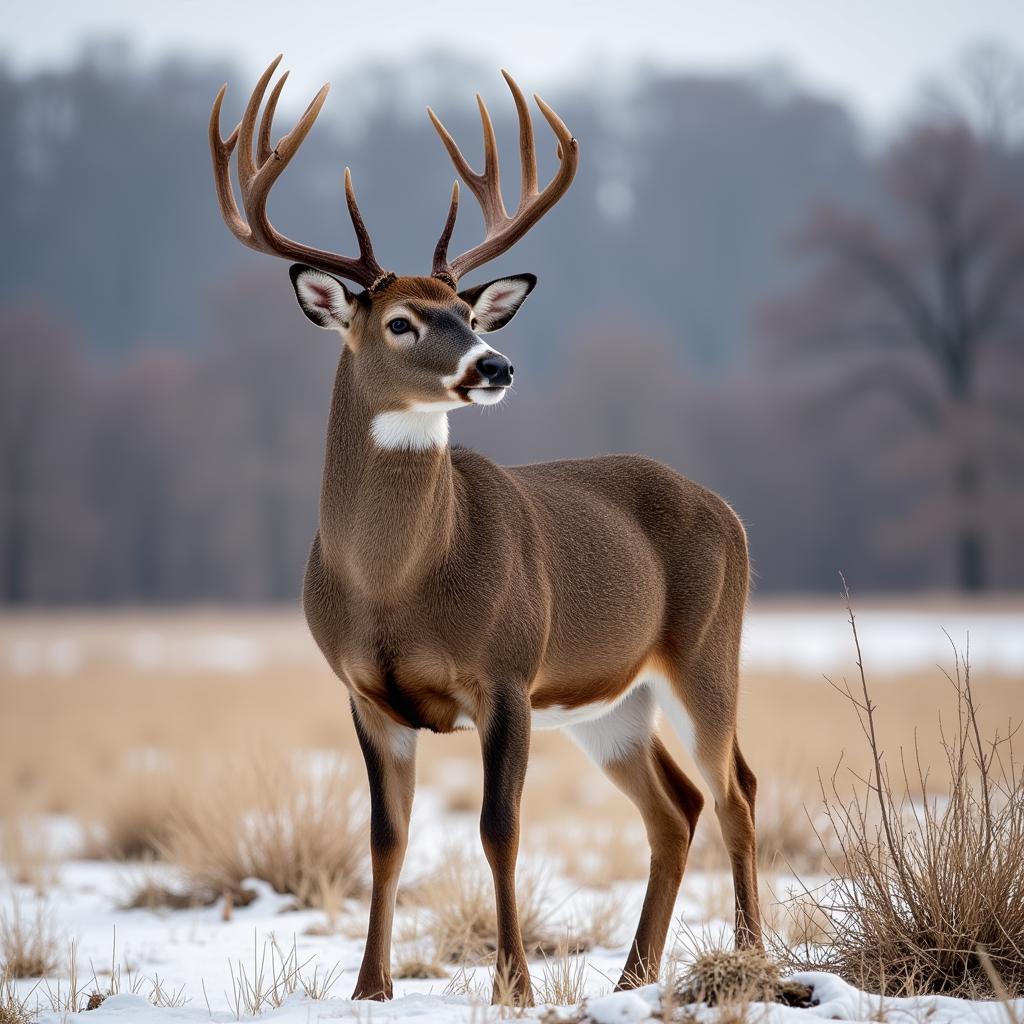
{"points": [[792, 266]]}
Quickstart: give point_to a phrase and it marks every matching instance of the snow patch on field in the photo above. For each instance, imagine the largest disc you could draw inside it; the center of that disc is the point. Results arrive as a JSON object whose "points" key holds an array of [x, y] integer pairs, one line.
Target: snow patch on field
{"points": [[197, 952], [813, 642]]}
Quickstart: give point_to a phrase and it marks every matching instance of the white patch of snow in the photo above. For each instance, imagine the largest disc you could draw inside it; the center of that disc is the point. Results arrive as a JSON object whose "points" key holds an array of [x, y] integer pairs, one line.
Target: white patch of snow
{"points": [[618, 1008], [893, 641]]}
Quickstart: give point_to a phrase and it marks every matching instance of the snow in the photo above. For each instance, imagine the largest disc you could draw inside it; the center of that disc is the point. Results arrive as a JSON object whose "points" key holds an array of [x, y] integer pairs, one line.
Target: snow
{"points": [[198, 952], [620, 1008], [893, 641]]}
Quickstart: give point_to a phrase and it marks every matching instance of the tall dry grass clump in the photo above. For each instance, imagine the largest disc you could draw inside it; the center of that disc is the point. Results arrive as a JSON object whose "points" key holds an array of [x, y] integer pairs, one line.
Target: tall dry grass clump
{"points": [[458, 920], [932, 886], [133, 818], [303, 832], [28, 948]]}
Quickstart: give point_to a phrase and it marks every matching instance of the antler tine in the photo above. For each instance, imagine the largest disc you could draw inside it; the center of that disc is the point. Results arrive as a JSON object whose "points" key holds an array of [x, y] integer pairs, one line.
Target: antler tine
{"points": [[501, 231], [221, 150], [440, 267], [469, 176], [264, 148], [362, 235], [255, 195], [494, 212], [527, 152], [557, 125], [246, 166], [257, 174]]}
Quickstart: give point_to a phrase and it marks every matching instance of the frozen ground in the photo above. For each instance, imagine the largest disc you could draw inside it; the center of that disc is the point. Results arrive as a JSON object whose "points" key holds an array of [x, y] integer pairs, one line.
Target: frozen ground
{"points": [[201, 959], [196, 953]]}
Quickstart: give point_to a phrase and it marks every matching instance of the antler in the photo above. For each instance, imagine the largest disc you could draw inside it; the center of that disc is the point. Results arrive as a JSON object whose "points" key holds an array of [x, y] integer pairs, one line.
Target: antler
{"points": [[257, 174], [501, 230]]}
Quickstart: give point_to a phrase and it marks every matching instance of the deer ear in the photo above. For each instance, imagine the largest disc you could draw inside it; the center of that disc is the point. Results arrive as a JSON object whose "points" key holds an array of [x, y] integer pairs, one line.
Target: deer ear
{"points": [[324, 299], [496, 302]]}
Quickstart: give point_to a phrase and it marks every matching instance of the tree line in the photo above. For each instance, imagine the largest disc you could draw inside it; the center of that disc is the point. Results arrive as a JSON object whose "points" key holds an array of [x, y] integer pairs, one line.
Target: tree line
{"points": [[824, 327]]}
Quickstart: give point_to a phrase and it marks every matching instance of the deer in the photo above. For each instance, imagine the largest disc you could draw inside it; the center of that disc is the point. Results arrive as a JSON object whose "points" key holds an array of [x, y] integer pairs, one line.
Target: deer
{"points": [[447, 592]]}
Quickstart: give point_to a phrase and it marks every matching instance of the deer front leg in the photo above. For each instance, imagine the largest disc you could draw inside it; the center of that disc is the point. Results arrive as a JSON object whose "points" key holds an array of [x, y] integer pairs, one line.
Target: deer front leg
{"points": [[389, 750], [505, 743]]}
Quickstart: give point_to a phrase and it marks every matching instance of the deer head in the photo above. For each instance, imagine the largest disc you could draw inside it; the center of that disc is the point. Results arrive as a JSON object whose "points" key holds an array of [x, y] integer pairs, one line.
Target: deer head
{"points": [[414, 341]]}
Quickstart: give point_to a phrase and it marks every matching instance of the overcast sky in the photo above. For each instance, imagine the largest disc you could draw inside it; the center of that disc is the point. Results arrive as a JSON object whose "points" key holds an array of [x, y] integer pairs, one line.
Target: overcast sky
{"points": [[869, 52]]}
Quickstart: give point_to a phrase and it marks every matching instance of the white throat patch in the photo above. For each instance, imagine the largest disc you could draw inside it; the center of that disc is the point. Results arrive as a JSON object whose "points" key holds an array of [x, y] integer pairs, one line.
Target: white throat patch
{"points": [[410, 430]]}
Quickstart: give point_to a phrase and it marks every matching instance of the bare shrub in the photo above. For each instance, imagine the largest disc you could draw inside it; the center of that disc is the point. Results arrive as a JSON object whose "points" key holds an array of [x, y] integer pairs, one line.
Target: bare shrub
{"points": [[929, 880], [29, 948], [304, 836]]}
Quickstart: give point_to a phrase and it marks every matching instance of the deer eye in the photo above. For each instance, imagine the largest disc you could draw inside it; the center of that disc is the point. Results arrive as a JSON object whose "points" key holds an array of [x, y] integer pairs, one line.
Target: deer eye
{"points": [[399, 325]]}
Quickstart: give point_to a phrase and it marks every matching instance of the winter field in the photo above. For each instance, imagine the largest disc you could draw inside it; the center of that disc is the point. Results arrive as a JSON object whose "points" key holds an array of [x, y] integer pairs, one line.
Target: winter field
{"points": [[184, 827]]}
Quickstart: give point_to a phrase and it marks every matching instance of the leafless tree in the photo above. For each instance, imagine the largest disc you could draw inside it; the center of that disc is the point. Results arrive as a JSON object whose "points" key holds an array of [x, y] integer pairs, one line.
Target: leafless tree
{"points": [[40, 389], [923, 297]]}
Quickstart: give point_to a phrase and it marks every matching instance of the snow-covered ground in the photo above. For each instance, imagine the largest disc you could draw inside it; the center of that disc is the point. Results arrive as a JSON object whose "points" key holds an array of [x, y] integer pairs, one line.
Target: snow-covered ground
{"points": [[201, 960], [204, 958]]}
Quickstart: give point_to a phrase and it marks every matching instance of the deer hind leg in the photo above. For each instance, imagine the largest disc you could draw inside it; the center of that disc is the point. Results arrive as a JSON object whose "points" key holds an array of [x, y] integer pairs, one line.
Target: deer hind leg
{"points": [[701, 705], [625, 747]]}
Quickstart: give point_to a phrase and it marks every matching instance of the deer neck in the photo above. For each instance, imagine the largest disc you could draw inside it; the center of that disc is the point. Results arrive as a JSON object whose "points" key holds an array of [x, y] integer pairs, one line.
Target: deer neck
{"points": [[387, 503]]}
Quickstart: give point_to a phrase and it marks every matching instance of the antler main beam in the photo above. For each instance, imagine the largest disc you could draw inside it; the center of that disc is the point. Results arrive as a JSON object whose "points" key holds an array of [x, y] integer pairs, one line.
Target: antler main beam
{"points": [[501, 230], [257, 172]]}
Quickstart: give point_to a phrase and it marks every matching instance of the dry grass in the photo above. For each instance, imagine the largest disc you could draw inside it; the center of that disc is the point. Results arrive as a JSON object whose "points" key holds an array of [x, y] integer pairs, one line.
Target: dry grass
{"points": [[459, 921], [29, 948], [273, 820], [275, 974], [150, 894], [702, 970], [929, 880], [598, 924], [110, 728], [563, 977], [417, 966], [792, 832], [132, 820], [14, 1008], [722, 977], [25, 854]]}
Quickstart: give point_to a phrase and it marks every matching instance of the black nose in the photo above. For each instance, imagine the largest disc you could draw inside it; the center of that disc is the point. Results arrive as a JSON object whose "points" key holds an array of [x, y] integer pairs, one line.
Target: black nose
{"points": [[495, 369]]}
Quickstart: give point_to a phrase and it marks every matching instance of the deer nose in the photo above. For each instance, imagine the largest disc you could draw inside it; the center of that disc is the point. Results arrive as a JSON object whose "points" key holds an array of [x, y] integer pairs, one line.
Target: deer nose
{"points": [[495, 369]]}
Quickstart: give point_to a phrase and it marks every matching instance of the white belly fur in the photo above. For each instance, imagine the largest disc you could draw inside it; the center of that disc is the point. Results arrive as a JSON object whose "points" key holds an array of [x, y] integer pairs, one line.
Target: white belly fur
{"points": [[564, 718], [561, 717]]}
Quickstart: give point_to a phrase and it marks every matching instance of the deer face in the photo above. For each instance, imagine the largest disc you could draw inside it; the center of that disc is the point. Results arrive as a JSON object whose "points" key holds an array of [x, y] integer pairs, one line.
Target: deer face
{"points": [[416, 344], [414, 341]]}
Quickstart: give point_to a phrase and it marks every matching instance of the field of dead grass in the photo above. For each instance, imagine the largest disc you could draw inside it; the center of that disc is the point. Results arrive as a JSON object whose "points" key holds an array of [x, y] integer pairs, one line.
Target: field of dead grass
{"points": [[133, 722]]}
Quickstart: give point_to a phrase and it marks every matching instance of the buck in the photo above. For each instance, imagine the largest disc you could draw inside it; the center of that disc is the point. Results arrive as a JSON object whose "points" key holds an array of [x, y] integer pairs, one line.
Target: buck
{"points": [[447, 592]]}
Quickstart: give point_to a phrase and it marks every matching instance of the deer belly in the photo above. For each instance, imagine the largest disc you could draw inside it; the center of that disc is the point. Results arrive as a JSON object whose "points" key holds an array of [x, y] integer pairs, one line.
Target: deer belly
{"points": [[556, 717]]}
